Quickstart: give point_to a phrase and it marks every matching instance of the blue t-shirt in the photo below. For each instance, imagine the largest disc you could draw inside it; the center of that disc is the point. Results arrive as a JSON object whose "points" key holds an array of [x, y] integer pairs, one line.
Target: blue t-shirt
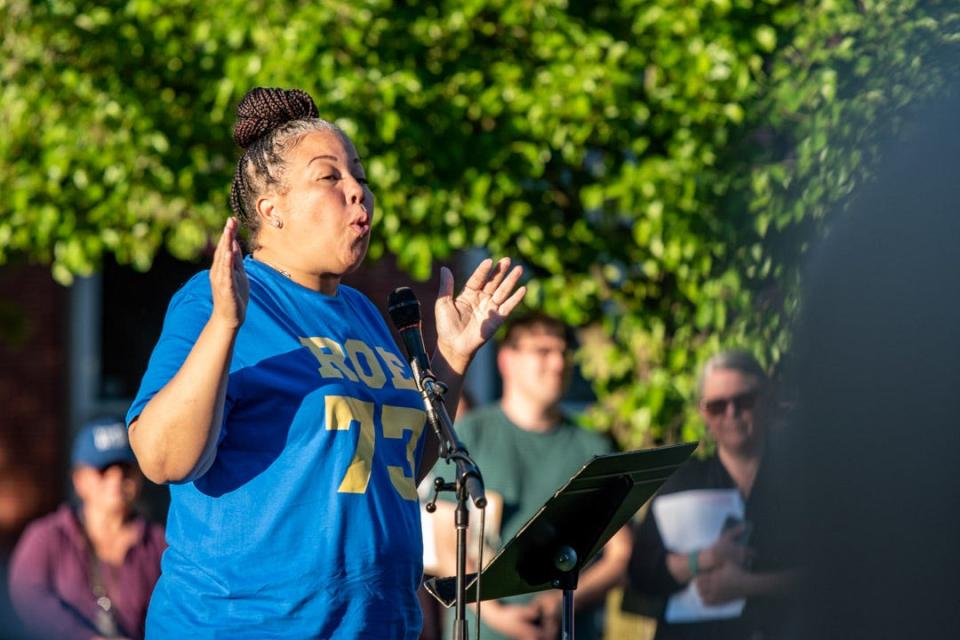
{"points": [[307, 524]]}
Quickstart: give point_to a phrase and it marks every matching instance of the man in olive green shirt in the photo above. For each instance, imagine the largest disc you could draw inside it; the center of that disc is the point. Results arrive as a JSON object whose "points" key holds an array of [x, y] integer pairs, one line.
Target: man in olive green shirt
{"points": [[526, 449]]}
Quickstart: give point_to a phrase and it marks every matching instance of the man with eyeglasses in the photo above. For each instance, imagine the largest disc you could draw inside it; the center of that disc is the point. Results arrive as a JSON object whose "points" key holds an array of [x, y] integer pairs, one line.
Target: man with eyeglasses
{"points": [[745, 562], [526, 448]]}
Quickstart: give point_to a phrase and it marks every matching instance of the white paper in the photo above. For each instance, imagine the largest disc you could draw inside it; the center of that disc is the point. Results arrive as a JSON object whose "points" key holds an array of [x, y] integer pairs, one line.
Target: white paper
{"points": [[429, 540], [692, 520], [686, 606]]}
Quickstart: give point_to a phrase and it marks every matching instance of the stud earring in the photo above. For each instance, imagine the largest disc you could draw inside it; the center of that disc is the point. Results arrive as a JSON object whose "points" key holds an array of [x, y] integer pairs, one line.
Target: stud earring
{"points": [[278, 223]]}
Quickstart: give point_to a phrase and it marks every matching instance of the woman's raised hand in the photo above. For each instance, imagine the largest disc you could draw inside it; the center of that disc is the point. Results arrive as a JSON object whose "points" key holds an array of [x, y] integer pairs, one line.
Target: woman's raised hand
{"points": [[466, 322], [228, 279]]}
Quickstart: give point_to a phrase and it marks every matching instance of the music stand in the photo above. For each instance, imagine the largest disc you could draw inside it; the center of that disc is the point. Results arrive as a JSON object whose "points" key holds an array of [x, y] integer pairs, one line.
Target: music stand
{"points": [[570, 528]]}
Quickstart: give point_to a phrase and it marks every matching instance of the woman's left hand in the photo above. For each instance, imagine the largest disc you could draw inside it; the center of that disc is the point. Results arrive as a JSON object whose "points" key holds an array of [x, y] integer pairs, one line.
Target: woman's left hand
{"points": [[466, 322]]}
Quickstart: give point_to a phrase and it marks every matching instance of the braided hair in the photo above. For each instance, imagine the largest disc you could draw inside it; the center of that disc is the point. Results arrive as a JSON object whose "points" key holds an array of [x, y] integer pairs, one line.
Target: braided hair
{"points": [[269, 123]]}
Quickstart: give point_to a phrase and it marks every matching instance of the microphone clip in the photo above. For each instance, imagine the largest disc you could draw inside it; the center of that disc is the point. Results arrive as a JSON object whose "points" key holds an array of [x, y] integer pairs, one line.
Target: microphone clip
{"points": [[469, 478], [426, 381], [432, 391]]}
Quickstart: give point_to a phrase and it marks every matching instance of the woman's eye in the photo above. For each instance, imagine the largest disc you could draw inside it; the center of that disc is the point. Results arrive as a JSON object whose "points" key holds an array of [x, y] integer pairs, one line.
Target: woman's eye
{"points": [[332, 177], [363, 180]]}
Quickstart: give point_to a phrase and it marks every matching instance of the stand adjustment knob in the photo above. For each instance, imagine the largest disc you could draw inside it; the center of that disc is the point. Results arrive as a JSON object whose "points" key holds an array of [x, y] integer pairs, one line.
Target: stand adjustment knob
{"points": [[565, 559], [439, 484]]}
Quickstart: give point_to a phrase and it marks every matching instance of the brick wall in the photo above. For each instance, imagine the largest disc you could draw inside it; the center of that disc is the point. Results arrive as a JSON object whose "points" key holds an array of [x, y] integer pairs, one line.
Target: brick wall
{"points": [[33, 394]]}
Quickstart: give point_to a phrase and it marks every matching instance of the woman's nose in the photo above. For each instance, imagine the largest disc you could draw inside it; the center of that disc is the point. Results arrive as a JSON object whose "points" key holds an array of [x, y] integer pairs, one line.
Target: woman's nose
{"points": [[355, 192], [112, 473]]}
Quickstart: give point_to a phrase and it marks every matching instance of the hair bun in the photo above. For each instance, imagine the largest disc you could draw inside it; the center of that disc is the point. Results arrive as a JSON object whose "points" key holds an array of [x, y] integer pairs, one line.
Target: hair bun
{"points": [[263, 110]]}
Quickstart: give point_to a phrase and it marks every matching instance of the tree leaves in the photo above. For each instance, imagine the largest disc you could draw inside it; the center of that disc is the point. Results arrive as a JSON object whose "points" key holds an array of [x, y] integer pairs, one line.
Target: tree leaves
{"points": [[660, 166]]}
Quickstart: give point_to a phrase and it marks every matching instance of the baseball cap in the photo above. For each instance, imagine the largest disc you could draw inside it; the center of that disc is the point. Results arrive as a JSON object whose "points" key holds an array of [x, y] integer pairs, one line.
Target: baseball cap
{"points": [[101, 443]]}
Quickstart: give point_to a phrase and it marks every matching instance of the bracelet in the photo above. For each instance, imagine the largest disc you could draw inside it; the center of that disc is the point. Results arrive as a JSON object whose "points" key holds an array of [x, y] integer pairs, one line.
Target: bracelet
{"points": [[694, 561]]}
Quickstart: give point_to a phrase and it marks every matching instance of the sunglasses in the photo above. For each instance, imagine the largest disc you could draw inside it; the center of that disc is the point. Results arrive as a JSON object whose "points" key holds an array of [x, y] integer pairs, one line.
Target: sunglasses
{"points": [[741, 402]]}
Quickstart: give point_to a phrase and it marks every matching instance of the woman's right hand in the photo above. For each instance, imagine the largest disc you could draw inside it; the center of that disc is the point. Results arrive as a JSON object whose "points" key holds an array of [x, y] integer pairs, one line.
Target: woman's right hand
{"points": [[228, 279], [516, 621], [726, 549]]}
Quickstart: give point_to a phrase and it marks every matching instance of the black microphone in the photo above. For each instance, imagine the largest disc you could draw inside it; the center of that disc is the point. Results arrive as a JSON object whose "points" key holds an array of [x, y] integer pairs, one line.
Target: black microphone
{"points": [[404, 310]]}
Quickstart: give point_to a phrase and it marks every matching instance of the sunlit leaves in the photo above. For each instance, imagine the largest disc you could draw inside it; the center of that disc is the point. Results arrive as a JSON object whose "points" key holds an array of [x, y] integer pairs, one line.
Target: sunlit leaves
{"points": [[659, 166]]}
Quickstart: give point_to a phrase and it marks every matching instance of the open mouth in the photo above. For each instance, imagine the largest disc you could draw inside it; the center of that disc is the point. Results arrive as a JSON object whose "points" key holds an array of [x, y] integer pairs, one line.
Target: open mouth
{"points": [[361, 226]]}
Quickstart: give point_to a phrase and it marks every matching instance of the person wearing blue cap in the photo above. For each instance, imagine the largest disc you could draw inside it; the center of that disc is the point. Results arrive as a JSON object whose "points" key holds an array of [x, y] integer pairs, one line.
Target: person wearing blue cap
{"points": [[88, 569]]}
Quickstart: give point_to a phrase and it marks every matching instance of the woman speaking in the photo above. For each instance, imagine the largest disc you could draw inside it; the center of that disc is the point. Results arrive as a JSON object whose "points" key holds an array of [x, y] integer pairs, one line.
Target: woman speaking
{"points": [[280, 410]]}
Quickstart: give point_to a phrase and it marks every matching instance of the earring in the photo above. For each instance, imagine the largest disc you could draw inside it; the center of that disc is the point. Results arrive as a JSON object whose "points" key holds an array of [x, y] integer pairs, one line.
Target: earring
{"points": [[278, 223]]}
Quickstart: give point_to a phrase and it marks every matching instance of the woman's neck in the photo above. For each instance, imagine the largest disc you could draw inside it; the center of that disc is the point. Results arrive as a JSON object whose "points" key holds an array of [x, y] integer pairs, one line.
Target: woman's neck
{"points": [[529, 415], [102, 525], [110, 533], [742, 466], [325, 283]]}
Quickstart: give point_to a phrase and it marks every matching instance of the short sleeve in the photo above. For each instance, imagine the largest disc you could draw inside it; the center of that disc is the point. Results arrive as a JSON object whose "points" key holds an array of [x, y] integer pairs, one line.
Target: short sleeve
{"points": [[187, 314]]}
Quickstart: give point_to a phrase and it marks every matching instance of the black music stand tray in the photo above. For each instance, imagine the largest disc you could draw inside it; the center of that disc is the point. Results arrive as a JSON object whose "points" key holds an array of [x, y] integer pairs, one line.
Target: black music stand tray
{"points": [[553, 546]]}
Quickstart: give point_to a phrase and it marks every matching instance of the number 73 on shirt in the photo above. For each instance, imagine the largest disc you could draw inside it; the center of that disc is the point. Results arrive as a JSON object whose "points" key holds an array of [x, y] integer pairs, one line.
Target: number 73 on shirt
{"points": [[341, 413]]}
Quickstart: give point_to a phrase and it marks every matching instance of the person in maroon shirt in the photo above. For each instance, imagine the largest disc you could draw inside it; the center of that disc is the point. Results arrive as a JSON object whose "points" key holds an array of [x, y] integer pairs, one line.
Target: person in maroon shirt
{"points": [[87, 571]]}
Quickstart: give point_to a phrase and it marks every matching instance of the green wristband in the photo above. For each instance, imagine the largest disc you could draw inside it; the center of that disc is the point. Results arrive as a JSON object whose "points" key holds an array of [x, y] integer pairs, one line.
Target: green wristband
{"points": [[693, 559]]}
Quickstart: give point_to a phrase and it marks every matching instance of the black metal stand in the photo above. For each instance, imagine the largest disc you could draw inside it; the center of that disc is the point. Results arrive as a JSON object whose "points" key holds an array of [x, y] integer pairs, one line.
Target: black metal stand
{"points": [[554, 546], [469, 482], [565, 561], [404, 310], [566, 626], [462, 521]]}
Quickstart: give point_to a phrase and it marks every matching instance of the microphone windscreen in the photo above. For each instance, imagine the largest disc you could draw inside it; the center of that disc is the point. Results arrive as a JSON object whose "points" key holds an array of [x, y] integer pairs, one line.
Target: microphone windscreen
{"points": [[403, 307]]}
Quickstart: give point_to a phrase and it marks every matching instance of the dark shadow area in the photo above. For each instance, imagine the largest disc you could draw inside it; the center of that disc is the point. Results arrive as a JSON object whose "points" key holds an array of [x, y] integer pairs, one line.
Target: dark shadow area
{"points": [[872, 448], [133, 306], [10, 626]]}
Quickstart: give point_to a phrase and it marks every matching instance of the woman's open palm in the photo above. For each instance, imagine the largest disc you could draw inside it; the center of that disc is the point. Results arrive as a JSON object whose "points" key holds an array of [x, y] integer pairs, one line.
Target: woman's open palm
{"points": [[466, 322], [228, 279]]}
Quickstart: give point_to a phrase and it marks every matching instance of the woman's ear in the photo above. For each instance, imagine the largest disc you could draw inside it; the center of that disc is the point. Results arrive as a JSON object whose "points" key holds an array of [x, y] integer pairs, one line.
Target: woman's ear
{"points": [[268, 213]]}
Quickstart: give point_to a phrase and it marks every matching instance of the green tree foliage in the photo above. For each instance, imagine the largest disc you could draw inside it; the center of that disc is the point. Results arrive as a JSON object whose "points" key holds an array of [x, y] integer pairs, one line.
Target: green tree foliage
{"points": [[659, 164]]}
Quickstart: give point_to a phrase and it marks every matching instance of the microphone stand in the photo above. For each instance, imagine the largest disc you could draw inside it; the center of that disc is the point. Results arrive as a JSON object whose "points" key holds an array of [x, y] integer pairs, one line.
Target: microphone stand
{"points": [[469, 482]]}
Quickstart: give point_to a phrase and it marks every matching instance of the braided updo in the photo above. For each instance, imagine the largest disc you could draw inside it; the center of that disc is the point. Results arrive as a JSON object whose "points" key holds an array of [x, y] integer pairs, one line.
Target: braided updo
{"points": [[269, 123]]}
